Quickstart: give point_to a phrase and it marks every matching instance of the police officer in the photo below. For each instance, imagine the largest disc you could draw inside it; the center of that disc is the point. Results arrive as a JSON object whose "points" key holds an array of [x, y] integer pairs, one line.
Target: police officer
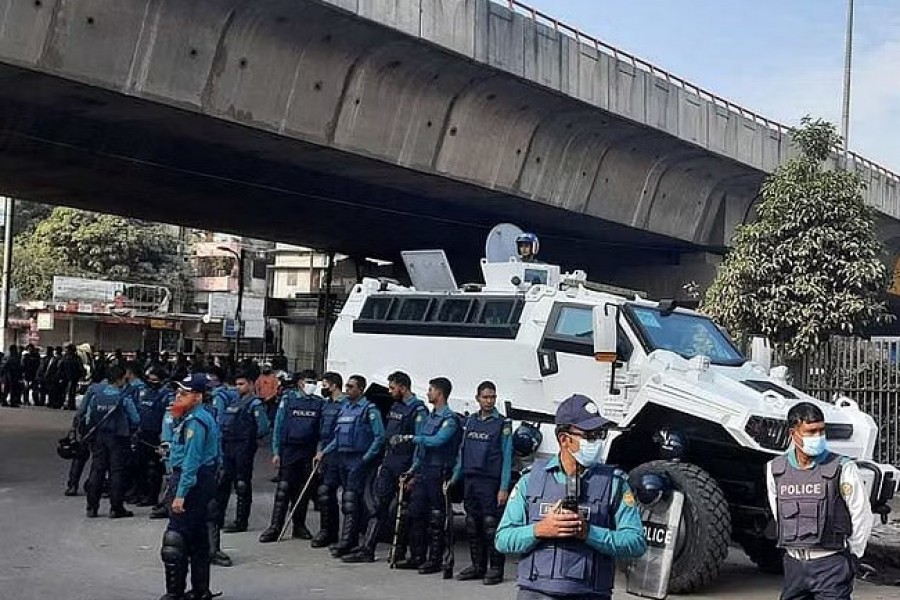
{"points": [[294, 444], [406, 417], [150, 398], [820, 505], [326, 494], [161, 510], [432, 467], [485, 459], [571, 510], [242, 422], [79, 462], [214, 403], [194, 460], [358, 437], [113, 414]]}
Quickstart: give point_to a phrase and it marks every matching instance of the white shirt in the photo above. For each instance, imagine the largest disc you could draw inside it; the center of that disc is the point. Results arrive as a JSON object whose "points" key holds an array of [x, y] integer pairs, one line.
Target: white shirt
{"points": [[857, 504]]}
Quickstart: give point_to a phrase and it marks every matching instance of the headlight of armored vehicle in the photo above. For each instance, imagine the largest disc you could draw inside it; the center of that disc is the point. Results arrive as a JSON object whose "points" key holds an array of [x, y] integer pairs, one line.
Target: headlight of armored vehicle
{"points": [[771, 434]]}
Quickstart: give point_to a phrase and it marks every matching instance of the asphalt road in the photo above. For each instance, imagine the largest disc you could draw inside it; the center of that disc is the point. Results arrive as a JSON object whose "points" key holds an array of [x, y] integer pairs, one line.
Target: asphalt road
{"points": [[49, 550]]}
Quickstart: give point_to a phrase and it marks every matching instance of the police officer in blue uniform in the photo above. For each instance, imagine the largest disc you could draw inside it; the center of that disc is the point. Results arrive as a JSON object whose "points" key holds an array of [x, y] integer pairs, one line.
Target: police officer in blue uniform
{"points": [[326, 494], [150, 398], [358, 437], [406, 418], [822, 510], [214, 403], [485, 459], [161, 510], [194, 459], [79, 462], [571, 517], [113, 414], [432, 467], [243, 422], [294, 444]]}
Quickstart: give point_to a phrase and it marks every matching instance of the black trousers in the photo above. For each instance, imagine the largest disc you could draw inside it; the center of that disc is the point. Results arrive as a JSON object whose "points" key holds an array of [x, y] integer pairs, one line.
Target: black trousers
{"points": [[829, 578], [237, 466], [76, 469], [109, 455]]}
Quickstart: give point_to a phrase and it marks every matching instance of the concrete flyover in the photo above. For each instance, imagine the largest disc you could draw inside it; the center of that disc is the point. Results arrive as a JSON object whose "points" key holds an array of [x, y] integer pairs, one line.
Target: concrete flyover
{"points": [[340, 123]]}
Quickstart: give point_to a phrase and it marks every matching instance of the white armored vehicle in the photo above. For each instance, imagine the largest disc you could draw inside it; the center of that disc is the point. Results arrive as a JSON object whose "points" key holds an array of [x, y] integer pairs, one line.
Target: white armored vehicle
{"points": [[685, 400]]}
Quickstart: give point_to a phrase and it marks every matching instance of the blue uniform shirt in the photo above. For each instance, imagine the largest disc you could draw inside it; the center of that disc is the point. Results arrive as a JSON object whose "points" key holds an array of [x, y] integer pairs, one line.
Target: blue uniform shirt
{"points": [[377, 426], [443, 436], [506, 449], [195, 444], [516, 536], [127, 404]]}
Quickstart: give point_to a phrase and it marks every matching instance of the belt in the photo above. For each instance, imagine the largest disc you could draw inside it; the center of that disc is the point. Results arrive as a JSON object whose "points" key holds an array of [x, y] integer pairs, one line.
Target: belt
{"points": [[806, 554]]}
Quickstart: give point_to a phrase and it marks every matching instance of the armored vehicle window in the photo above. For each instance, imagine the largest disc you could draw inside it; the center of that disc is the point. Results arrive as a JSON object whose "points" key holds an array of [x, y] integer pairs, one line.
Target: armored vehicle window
{"points": [[575, 321], [571, 330], [496, 312], [454, 310], [412, 309], [686, 334], [376, 308]]}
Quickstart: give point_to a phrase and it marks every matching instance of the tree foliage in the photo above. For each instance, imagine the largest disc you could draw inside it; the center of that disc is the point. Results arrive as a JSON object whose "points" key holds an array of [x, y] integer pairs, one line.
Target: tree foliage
{"points": [[77, 243], [811, 265]]}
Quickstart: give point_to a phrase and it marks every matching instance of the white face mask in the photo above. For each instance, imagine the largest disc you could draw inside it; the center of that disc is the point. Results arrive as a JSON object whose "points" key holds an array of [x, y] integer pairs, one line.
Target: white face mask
{"points": [[310, 389], [588, 453], [814, 445]]}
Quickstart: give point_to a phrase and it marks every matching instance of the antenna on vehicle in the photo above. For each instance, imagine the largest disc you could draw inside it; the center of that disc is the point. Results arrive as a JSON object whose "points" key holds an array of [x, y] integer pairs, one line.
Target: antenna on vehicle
{"points": [[500, 245]]}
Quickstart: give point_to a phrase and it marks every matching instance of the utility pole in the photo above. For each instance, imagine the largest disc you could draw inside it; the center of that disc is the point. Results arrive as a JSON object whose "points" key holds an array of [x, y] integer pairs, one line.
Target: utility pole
{"points": [[8, 208], [848, 63]]}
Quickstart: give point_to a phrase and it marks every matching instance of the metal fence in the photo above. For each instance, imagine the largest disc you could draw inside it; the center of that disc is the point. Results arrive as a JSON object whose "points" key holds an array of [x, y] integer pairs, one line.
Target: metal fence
{"points": [[867, 371]]}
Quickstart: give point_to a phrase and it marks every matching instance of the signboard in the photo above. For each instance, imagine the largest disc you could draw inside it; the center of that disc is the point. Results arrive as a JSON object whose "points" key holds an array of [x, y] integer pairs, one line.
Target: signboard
{"points": [[223, 306], [46, 321], [85, 290], [101, 297]]}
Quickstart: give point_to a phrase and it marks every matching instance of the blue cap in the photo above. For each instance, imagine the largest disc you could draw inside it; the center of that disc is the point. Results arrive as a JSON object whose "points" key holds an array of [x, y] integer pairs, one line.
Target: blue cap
{"points": [[581, 412], [197, 382]]}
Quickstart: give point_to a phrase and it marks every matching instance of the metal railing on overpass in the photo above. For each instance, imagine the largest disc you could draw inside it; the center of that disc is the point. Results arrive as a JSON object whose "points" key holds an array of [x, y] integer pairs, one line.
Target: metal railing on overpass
{"points": [[601, 46]]}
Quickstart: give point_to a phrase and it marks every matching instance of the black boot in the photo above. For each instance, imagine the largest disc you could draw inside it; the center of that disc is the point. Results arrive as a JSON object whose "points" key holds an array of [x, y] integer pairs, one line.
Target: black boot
{"points": [[366, 552], [328, 519], [244, 498], [175, 562], [435, 562], [216, 556], [476, 550], [496, 560], [417, 548], [279, 511], [299, 530], [350, 530], [199, 576]]}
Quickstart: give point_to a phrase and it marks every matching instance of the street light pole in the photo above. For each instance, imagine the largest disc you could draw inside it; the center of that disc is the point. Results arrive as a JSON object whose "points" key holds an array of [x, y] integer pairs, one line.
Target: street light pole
{"points": [[848, 63]]}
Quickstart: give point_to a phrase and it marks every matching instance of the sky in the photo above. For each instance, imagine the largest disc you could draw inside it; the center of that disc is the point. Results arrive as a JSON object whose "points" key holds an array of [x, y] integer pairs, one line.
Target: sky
{"points": [[783, 59]]}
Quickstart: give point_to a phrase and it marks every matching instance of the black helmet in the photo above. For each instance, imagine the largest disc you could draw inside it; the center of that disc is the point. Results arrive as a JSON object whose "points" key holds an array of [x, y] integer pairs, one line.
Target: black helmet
{"points": [[526, 440], [651, 487], [68, 447]]}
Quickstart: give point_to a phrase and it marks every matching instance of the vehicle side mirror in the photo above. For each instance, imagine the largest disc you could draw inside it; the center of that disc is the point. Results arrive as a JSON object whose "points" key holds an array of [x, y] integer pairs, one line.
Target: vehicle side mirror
{"points": [[761, 352], [605, 333]]}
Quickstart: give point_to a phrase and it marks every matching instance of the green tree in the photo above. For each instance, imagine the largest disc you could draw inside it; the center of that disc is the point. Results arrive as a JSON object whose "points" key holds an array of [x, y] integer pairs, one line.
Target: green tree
{"points": [[811, 265], [77, 243]]}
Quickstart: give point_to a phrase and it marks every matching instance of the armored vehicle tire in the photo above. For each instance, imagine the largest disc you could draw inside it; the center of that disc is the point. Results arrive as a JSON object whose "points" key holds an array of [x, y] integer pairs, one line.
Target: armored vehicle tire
{"points": [[764, 554], [705, 531]]}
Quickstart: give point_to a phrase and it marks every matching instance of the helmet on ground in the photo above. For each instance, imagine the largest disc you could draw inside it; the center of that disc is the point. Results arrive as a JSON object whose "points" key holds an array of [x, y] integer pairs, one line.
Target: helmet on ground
{"points": [[526, 440], [67, 448], [527, 245]]}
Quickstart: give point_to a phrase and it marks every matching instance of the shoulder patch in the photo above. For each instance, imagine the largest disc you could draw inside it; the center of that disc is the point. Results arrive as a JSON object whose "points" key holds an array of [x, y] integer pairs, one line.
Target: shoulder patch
{"points": [[446, 423], [514, 492], [373, 415], [846, 489], [507, 429], [189, 432], [628, 498]]}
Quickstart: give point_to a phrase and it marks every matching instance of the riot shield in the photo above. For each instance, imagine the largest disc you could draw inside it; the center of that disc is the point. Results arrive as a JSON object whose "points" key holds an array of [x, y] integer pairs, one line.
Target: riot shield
{"points": [[648, 576]]}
